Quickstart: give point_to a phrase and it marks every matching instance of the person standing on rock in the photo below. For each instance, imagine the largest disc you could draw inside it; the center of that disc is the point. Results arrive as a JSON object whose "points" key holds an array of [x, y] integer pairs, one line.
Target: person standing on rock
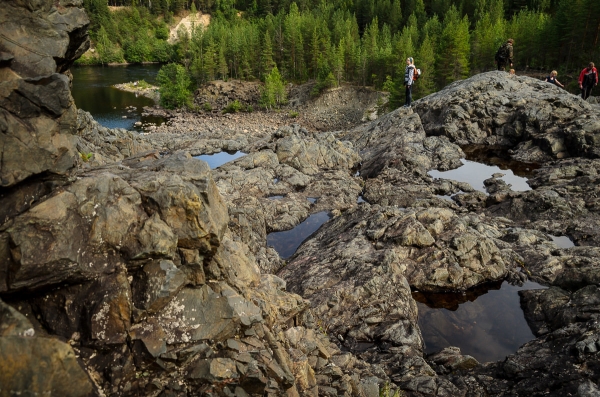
{"points": [[588, 78], [552, 79], [409, 74], [504, 55]]}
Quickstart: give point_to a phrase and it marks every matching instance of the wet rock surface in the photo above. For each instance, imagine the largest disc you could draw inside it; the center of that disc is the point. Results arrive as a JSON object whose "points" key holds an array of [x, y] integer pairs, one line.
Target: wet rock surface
{"points": [[145, 272]]}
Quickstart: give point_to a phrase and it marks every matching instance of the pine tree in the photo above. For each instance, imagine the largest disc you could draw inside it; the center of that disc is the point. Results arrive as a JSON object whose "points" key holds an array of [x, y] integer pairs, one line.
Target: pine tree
{"points": [[453, 55], [174, 86], [222, 64], [267, 62], [425, 59], [209, 60]]}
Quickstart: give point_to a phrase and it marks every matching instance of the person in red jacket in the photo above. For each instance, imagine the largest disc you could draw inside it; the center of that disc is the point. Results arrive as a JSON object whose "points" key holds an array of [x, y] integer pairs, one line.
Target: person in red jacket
{"points": [[588, 78]]}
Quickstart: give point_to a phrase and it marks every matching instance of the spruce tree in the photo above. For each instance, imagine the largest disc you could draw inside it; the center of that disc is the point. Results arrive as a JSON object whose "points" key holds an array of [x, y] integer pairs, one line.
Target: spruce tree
{"points": [[267, 62], [425, 60]]}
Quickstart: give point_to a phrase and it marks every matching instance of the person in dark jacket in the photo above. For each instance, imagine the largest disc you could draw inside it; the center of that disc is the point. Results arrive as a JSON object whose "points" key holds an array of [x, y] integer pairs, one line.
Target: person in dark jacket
{"points": [[552, 79], [504, 55], [588, 78], [409, 73]]}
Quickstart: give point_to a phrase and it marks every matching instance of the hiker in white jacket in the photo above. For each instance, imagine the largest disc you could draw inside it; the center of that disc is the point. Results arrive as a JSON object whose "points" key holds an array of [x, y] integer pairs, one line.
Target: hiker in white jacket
{"points": [[409, 73]]}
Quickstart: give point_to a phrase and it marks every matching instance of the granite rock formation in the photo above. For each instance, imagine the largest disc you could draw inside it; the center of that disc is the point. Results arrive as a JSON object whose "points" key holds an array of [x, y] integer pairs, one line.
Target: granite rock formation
{"points": [[144, 272]]}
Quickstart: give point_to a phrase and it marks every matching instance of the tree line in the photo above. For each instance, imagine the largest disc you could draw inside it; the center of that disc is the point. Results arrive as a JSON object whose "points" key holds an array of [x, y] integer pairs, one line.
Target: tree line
{"points": [[361, 42]]}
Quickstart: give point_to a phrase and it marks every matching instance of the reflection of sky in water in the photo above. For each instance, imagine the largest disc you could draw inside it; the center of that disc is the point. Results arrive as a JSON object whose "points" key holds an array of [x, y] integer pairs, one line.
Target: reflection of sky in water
{"points": [[446, 197], [286, 243], [360, 199], [475, 173], [312, 199], [275, 197], [562, 241], [489, 327], [218, 159]]}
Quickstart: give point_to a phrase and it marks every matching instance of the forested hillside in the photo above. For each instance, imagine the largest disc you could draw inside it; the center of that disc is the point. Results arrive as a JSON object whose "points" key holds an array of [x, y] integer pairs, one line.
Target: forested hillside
{"points": [[358, 41]]}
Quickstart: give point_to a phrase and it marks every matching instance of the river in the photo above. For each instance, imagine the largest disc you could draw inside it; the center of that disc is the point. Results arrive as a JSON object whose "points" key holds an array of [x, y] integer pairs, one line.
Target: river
{"points": [[93, 91]]}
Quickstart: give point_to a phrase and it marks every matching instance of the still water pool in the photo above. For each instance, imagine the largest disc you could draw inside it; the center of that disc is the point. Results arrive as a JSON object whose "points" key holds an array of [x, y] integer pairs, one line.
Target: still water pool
{"points": [[93, 91], [475, 173], [486, 322], [218, 159], [286, 243]]}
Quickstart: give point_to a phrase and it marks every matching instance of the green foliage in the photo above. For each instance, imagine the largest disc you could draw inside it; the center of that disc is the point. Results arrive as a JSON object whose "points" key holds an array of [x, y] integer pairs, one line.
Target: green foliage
{"points": [[425, 85], [358, 41], [293, 114], [143, 84], [273, 94], [174, 83], [233, 107], [207, 107], [85, 157], [322, 84], [162, 32], [130, 34], [386, 391]]}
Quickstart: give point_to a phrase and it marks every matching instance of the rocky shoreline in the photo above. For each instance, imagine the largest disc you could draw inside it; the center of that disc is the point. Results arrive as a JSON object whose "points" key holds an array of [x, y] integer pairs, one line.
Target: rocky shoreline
{"points": [[145, 272], [143, 89]]}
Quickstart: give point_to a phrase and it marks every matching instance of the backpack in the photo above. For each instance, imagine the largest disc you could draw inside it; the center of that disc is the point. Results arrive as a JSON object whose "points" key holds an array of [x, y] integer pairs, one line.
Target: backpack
{"points": [[416, 74], [502, 52]]}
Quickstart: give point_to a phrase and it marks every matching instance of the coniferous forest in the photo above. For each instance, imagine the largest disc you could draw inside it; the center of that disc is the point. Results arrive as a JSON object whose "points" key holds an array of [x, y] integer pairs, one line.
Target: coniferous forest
{"points": [[362, 42]]}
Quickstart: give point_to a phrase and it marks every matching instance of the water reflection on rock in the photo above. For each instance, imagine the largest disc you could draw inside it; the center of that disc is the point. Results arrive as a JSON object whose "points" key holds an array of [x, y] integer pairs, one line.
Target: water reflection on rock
{"points": [[486, 322], [286, 243], [475, 173], [498, 156], [562, 241], [218, 159]]}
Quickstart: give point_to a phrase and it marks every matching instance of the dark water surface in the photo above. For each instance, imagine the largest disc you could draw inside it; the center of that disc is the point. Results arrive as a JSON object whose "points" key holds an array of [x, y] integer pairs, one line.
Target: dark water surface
{"points": [[286, 243], [498, 156], [218, 159], [92, 90], [485, 322]]}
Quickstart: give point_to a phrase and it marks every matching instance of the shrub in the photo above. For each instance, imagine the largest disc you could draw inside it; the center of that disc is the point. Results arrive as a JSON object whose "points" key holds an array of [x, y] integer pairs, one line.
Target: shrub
{"points": [[174, 83], [86, 156], [162, 51], [293, 114], [207, 107], [162, 32], [233, 107], [324, 83], [273, 93]]}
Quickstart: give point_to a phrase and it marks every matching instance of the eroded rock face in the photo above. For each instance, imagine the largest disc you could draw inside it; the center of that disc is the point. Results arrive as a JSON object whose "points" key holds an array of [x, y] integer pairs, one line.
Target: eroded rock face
{"points": [[37, 113], [540, 120]]}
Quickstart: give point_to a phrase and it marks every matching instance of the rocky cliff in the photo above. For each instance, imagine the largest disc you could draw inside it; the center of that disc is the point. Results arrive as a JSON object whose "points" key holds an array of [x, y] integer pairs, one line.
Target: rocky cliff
{"points": [[147, 273]]}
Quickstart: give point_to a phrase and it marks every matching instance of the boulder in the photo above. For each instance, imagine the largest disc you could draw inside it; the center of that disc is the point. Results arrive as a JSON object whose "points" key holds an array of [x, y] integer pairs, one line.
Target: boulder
{"points": [[41, 366], [538, 121]]}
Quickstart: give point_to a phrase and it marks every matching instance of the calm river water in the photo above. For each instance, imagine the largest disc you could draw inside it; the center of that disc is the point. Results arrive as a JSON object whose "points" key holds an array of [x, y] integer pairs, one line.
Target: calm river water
{"points": [[93, 91]]}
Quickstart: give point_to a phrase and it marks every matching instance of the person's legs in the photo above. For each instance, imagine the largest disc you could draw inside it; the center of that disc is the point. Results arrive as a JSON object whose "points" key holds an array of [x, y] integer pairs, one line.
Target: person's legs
{"points": [[408, 94], [502, 66], [586, 92]]}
